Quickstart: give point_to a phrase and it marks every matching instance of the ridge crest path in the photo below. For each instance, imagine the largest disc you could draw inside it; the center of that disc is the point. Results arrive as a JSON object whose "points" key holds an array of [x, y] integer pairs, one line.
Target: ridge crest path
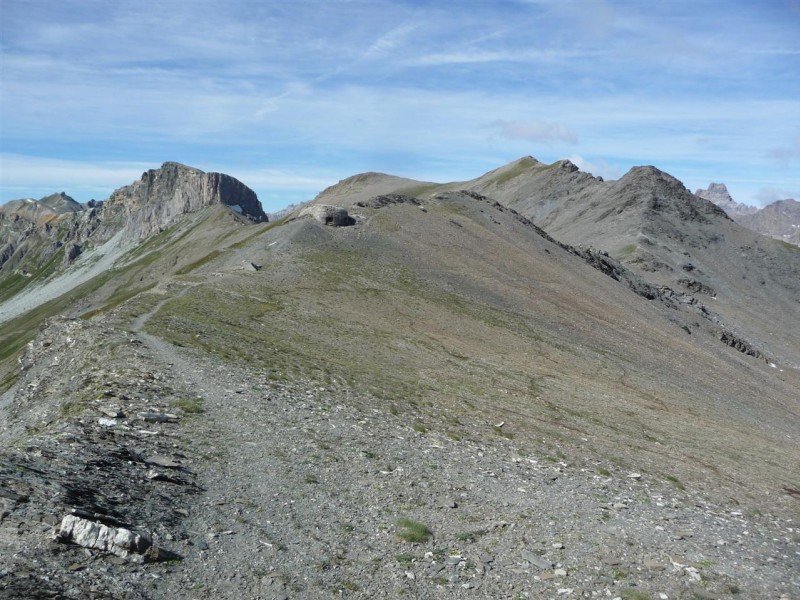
{"points": [[304, 486]]}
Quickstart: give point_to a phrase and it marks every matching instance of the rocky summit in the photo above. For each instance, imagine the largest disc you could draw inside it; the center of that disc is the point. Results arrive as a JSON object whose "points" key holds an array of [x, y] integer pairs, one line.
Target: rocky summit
{"points": [[779, 219], [719, 195], [534, 384]]}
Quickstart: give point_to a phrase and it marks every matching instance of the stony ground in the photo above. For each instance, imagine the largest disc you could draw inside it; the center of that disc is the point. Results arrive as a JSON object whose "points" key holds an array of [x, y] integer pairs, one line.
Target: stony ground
{"points": [[301, 490]]}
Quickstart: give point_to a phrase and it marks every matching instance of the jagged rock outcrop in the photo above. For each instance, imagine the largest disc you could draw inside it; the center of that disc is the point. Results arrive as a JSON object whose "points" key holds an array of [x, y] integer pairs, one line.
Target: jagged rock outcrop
{"points": [[737, 343], [6, 252], [329, 215], [384, 200], [162, 195], [33, 231], [71, 252], [123, 542], [601, 261], [697, 286]]}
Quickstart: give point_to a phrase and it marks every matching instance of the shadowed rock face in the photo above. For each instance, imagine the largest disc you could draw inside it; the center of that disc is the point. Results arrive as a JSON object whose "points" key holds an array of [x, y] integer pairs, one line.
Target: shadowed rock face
{"points": [[161, 195]]}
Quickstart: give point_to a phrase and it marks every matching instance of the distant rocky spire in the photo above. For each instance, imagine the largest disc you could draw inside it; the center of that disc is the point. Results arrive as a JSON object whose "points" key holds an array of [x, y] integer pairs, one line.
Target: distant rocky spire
{"points": [[719, 195]]}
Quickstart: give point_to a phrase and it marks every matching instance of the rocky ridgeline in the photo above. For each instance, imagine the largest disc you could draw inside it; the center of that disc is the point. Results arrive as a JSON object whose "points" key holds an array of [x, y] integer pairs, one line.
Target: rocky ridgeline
{"points": [[301, 490], [93, 480], [780, 219]]}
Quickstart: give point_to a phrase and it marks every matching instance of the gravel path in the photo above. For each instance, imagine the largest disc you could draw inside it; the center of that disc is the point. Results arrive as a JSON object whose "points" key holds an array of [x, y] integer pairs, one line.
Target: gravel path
{"points": [[298, 490], [306, 488]]}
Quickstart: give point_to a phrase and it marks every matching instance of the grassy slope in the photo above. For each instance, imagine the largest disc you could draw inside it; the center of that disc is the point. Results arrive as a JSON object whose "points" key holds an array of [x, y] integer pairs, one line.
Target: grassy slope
{"points": [[461, 318]]}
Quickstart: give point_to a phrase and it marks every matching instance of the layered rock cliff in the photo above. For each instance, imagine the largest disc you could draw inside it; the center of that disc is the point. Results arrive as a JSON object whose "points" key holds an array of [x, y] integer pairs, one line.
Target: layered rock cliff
{"points": [[163, 195]]}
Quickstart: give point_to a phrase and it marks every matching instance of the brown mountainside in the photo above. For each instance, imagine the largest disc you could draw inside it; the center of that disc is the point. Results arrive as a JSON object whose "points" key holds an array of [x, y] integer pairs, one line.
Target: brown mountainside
{"points": [[653, 224]]}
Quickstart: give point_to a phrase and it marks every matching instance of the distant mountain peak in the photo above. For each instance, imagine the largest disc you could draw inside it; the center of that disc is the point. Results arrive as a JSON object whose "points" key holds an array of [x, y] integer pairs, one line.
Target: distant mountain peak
{"points": [[42, 210], [61, 203], [719, 195]]}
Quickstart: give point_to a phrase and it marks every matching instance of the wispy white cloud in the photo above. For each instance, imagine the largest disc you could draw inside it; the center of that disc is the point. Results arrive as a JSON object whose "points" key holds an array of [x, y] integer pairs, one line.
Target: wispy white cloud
{"points": [[481, 56], [33, 176], [767, 195], [598, 167], [391, 39], [535, 131], [787, 153], [26, 176]]}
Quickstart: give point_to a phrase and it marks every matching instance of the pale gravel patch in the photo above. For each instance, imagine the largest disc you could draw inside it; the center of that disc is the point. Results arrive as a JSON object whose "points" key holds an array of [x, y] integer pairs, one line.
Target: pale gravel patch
{"points": [[91, 264]]}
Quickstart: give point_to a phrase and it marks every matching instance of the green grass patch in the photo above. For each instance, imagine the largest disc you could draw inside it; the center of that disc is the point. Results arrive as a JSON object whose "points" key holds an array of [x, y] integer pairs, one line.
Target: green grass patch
{"points": [[419, 190], [121, 295], [471, 536], [12, 284], [419, 427], [675, 482], [404, 559], [788, 246], [521, 167], [198, 263], [626, 252], [192, 406], [71, 408], [412, 531]]}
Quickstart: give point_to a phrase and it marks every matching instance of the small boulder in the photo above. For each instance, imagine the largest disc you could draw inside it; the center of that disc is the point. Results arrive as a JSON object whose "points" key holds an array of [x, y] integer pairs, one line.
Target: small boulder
{"points": [[116, 540]]}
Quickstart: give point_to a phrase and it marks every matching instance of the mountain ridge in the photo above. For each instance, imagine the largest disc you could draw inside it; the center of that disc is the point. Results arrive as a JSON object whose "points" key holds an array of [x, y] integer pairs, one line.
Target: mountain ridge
{"points": [[278, 406], [779, 219], [654, 225], [34, 234]]}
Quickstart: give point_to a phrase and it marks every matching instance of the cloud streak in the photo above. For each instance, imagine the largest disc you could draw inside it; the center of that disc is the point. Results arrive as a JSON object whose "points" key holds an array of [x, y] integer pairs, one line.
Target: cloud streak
{"points": [[534, 131]]}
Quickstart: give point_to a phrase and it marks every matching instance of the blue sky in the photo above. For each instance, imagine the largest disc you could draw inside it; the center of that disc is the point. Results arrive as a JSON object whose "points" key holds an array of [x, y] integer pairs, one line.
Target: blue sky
{"points": [[292, 96]]}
